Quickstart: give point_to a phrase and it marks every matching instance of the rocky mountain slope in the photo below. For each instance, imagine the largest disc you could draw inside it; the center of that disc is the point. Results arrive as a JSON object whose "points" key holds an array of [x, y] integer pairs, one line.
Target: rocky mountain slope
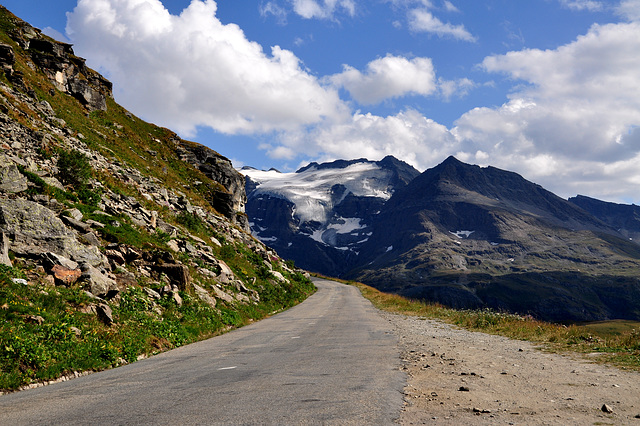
{"points": [[118, 239], [473, 237], [624, 218], [321, 215]]}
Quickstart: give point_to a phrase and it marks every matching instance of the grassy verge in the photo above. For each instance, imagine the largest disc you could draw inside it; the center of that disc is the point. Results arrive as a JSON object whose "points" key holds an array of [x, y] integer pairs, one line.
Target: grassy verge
{"points": [[47, 331], [617, 342]]}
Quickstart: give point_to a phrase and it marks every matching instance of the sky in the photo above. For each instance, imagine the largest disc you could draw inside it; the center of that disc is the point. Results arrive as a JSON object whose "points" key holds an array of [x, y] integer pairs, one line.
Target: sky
{"points": [[549, 89]]}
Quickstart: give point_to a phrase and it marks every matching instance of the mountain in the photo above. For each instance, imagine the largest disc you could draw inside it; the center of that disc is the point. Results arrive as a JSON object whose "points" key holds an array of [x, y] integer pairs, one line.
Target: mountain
{"points": [[118, 239], [468, 237], [624, 218], [321, 215]]}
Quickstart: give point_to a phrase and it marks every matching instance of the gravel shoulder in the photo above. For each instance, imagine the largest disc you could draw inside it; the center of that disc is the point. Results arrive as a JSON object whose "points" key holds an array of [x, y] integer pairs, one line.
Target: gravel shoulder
{"points": [[458, 377]]}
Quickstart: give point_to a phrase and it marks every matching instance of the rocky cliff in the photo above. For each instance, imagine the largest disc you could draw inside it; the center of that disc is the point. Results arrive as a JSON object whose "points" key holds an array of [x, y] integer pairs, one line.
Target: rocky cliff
{"points": [[117, 238]]}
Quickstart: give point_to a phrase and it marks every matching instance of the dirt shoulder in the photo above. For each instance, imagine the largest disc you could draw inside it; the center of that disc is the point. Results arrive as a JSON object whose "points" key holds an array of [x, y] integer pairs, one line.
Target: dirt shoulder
{"points": [[461, 377]]}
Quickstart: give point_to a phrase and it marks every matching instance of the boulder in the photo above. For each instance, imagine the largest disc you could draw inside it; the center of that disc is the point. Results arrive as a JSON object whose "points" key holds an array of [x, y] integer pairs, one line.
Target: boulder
{"points": [[177, 273], [204, 295], [65, 276], [11, 180], [104, 313], [226, 274], [98, 283], [35, 230]]}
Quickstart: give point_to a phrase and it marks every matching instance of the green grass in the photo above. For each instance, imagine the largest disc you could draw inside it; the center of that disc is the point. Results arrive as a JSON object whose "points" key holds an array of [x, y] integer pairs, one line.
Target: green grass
{"points": [[618, 342], [69, 340]]}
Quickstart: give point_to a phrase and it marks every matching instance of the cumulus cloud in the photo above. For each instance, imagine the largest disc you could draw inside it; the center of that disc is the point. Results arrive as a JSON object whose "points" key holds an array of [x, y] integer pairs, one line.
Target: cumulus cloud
{"points": [[388, 77], [407, 135], [191, 70], [579, 111]]}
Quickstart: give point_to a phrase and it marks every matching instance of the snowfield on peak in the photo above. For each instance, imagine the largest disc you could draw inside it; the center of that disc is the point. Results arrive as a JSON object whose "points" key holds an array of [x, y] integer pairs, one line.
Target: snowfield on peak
{"points": [[313, 191]]}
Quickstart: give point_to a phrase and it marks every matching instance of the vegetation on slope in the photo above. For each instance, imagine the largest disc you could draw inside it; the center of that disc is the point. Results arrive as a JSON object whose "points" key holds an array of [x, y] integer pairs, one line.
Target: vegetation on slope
{"points": [[108, 161], [616, 342]]}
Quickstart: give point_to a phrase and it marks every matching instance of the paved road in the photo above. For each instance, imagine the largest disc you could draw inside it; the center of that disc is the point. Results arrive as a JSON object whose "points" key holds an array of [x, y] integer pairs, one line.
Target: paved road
{"points": [[329, 360]]}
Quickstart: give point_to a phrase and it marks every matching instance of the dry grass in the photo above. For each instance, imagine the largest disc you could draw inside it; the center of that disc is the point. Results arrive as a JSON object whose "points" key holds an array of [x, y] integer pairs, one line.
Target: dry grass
{"points": [[618, 342]]}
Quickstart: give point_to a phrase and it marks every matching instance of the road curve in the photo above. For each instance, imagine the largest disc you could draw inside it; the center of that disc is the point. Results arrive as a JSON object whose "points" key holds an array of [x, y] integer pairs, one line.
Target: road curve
{"points": [[329, 360]]}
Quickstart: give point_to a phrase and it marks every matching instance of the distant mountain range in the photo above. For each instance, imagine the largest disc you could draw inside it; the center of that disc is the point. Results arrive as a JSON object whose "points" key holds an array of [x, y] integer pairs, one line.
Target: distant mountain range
{"points": [[458, 234]]}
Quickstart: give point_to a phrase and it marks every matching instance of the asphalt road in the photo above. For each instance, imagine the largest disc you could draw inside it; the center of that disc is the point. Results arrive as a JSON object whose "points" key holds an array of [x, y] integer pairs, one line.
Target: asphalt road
{"points": [[329, 360]]}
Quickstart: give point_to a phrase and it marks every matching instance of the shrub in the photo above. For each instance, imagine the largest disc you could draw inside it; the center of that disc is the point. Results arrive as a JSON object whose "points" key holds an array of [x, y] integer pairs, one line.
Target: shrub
{"points": [[74, 168]]}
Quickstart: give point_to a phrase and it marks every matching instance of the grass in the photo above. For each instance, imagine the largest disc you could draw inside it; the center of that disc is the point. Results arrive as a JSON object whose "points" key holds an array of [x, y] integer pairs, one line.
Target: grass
{"points": [[47, 332], [617, 342]]}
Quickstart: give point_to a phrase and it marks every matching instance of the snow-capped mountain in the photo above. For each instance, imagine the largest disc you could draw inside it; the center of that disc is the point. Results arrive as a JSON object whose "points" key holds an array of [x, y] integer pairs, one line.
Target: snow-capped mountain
{"points": [[327, 209], [462, 235]]}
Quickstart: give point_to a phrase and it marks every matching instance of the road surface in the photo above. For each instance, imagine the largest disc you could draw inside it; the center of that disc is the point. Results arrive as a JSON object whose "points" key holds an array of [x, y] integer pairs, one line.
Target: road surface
{"points": [[330, 360]]}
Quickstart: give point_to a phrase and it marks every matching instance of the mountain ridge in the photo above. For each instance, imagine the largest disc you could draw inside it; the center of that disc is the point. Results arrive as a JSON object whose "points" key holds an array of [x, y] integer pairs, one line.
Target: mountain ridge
{"points": [[457, 233]]}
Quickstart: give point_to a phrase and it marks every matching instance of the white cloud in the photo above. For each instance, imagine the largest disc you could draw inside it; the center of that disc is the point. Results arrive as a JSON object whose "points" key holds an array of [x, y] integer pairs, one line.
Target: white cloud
{"points": [[422, 20], [388, 77], [629, 9], [408, 135], [191, 70], [324, 9], [449, 7], [590, 5], [451, 88], [580, 112], [275, 10]]}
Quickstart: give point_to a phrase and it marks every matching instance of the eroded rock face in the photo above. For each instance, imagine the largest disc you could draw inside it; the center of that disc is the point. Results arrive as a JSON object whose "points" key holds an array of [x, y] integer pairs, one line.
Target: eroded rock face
{"points": [[65, 70], [231, 197], [34, 229]]}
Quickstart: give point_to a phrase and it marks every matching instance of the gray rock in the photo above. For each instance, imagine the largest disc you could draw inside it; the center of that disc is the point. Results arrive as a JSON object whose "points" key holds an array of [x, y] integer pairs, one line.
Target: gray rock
{"points": [[220, 294], [176, 298], [97, 283], [51, 181], [152, 293], [204, 295], [91, 239], [177, 273], [11, 180], [4, 250], [104, 313], [34, 230], [606, 409]]}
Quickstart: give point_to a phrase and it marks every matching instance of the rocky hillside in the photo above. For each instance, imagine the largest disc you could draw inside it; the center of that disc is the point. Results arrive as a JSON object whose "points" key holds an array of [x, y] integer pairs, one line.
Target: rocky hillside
{"points": [[321, 215], [118, 239]]}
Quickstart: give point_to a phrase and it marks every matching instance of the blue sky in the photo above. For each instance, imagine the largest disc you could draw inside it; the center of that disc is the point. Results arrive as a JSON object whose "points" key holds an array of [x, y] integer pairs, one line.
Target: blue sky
{"points": [[547, 88]]}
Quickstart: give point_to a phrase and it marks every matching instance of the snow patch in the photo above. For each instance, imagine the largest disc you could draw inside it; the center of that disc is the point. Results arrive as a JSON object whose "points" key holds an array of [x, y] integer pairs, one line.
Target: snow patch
{"points": [[462, 234], [389, 249]]}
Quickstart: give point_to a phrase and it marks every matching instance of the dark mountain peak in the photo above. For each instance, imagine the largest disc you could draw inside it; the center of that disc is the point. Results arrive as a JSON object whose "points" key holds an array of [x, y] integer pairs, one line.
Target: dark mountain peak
{"points": [[453, 182]]}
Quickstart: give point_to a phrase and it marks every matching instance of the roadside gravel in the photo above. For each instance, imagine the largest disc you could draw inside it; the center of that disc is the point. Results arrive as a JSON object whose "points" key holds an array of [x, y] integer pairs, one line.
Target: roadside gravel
{"points": [[461, 377]]}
